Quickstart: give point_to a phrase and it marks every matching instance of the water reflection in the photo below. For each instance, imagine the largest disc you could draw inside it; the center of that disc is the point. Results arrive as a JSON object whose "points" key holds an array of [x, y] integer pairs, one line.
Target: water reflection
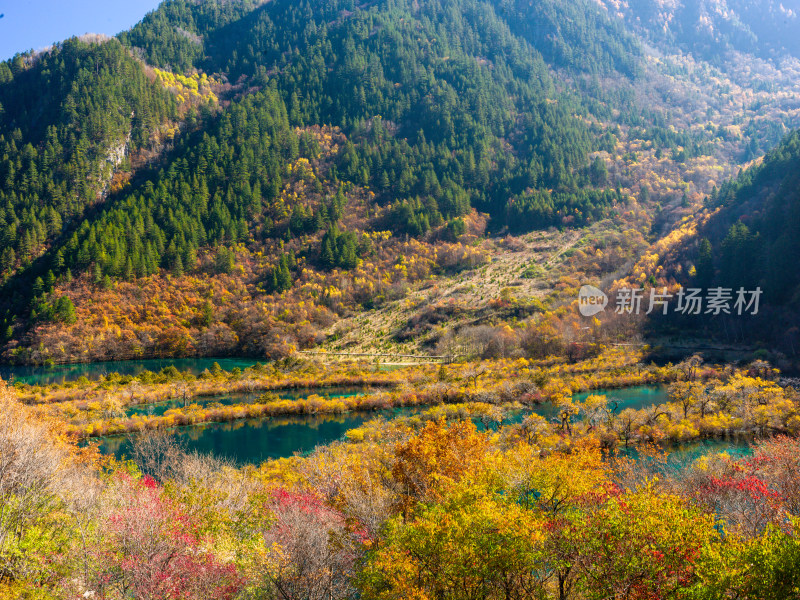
{"points": [[252, 441], [329, 393], [38, 375], [255, 440]]}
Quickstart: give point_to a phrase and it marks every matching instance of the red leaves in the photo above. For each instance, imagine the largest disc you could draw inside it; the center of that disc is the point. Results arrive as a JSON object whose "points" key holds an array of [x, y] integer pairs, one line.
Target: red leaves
{"points": [[659, 556], [153, 549], [749, 484], [750, 494], [306, 501], [149, 482]]}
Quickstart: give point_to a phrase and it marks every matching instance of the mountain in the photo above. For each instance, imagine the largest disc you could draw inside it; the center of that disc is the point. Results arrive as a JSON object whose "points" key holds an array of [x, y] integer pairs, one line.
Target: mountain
{"points": [[746, 237], [753, 232], [247, 177], [68, 120], [248, 36], [712, 28]]}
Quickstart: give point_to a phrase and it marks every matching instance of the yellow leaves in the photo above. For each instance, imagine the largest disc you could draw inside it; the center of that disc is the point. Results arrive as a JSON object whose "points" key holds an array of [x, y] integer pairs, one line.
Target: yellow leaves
{"points": [[594, 403], [557, 391], [302, 169], [649, 525], [355, 435], [793, 424], [190, 87], [14, 590], [559, 481], [712, 463], [439, 456], [682, 431], [475, 540]]}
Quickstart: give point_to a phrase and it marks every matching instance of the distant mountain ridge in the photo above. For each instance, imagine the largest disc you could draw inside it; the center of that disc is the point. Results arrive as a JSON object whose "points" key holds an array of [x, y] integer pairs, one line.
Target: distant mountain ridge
{"points": [[709, 28], [238, 36]]}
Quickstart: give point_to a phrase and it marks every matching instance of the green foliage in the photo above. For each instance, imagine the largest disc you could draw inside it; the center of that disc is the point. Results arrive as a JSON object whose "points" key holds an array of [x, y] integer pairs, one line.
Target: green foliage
{"points": [[764, 568], [414, 217], [456, 228], [577, 35], [173, 36], [705, 263], [280, 278], [224, 260], [542, 208], [205, 197], [429, 95], [64, 310], [447, 106], [207, 314], [471, 546], [598, 172], [765, 249], [59, 118], [775, 566], [339, 249]]}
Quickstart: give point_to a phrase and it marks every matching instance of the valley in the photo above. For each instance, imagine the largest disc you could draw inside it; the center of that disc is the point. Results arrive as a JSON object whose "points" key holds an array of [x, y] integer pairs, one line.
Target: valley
{"points": [[291, 303], [667, 132]]}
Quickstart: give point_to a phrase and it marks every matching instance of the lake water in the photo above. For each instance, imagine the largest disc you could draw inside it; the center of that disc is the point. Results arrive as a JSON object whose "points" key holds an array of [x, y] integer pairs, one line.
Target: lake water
{"points": [[38, 375], [684, 454], [634, 397], [252, 441], [160, 408], [255, 440]]}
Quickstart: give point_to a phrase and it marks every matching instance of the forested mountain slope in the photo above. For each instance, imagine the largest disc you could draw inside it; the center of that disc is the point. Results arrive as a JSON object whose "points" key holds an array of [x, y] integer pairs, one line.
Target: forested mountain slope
{"points": [[753, 235], [271, 168], [444, 108], [235, 38], [67, 122], [744, 238], [712, 28], [460, 96]]}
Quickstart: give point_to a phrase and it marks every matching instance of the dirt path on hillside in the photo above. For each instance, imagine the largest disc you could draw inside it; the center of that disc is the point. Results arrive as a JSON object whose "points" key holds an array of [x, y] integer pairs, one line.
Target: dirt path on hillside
{"points": [[526, 272]]}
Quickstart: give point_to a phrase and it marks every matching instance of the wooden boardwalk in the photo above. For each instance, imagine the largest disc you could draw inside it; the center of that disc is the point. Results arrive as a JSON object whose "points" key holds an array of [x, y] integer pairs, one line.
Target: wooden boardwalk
{"points": [[378, 355]]}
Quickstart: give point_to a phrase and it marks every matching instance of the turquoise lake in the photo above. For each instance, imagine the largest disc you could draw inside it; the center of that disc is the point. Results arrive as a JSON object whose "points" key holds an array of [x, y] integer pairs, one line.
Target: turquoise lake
{"points": [[38, 375], [255, 440], [252, 441], [160, 408], [632, 397]]}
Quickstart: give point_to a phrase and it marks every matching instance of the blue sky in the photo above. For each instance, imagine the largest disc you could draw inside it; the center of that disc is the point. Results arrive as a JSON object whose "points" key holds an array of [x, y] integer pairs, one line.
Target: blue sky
{"points": [[35, 24]]}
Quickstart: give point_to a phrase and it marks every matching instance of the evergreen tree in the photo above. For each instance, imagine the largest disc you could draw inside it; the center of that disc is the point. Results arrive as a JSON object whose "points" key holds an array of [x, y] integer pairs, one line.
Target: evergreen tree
{"points": [[65, 310]]}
